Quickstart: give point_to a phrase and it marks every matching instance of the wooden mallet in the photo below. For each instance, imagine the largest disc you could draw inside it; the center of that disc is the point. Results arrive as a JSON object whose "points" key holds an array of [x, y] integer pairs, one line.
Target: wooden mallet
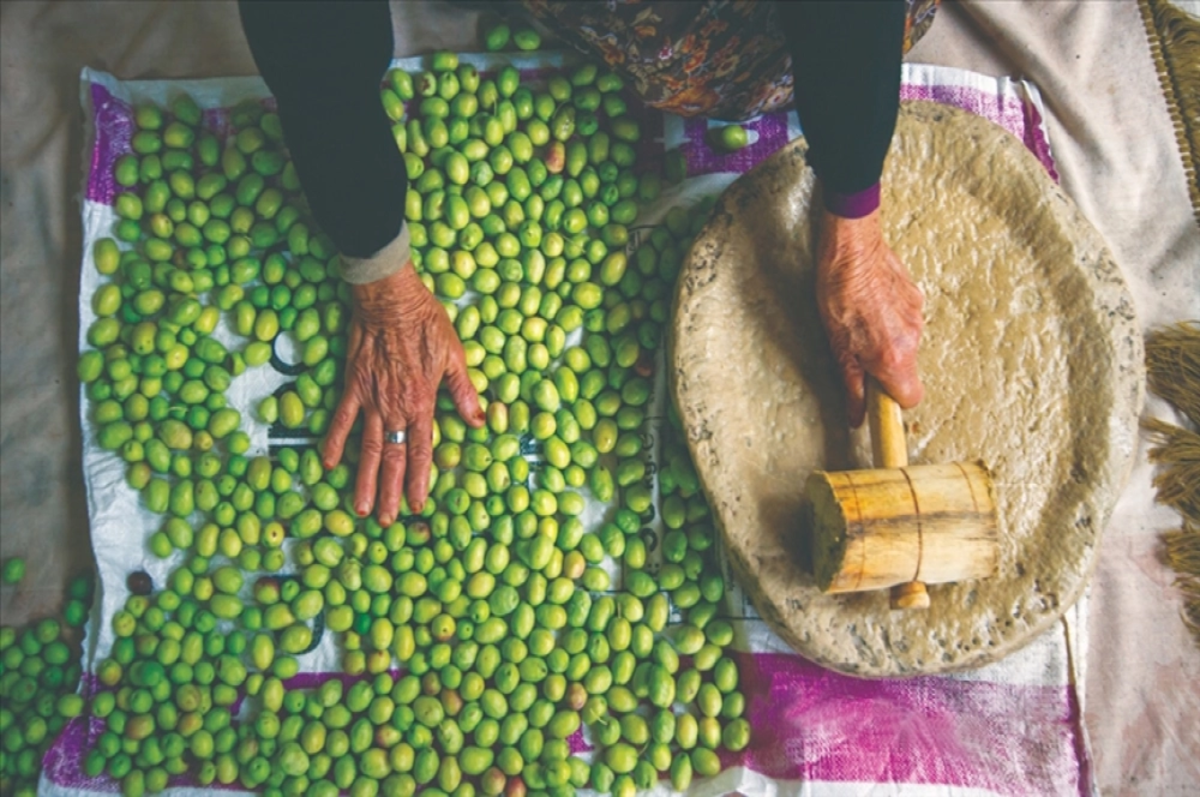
{"points": [[898, 525]]}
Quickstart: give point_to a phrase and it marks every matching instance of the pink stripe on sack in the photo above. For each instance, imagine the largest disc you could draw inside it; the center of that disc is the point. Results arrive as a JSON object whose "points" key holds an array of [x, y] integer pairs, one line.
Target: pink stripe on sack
{"points": [[1019, 117], [113, 122], [114, 126], [771, 131], [813, 724], [63, 762]]}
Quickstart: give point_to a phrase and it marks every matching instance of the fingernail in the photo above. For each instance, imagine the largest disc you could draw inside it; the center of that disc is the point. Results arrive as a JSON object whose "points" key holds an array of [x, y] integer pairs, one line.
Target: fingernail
{"points": [[418, 506], [362, 510]]}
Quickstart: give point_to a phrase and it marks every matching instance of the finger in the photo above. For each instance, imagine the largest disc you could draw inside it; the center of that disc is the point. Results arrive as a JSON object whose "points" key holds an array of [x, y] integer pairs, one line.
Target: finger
{"points": [[368, 464], [856, 403], [463, 392], [339, 427], [420, 458], [391, 475]]}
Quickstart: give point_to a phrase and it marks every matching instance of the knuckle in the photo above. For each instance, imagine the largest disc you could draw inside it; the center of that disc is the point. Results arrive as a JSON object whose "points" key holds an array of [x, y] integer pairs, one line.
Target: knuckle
{"points": [[422, 408], [894, 360], [463, 388]]}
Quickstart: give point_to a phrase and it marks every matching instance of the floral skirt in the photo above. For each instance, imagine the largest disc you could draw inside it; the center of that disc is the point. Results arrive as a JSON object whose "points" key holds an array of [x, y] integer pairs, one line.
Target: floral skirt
{"points": [[725, 59]]}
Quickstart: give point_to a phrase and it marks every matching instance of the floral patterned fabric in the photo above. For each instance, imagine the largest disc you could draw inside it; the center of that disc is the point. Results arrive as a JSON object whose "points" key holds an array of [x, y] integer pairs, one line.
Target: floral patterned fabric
{"points": [[725, 59]]}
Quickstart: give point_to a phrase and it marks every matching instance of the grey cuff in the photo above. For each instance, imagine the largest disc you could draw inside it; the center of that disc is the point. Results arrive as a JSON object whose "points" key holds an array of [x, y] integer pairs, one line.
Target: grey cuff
{"points": [[384, 263]]}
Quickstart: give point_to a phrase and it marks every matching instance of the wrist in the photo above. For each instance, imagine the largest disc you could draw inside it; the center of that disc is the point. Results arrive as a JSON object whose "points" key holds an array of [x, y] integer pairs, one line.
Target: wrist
{"points": [[852, 205], [373, 268], [386, 299], [847, 244]]}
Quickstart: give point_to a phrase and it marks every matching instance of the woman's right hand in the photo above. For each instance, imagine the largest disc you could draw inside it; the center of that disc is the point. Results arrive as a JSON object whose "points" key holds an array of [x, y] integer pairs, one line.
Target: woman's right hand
{"points": [[871, 310], [401, 345]]}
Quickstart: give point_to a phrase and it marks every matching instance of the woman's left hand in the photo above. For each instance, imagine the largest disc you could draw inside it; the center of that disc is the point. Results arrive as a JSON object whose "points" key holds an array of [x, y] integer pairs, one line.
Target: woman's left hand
{"points": [[401, 346]]}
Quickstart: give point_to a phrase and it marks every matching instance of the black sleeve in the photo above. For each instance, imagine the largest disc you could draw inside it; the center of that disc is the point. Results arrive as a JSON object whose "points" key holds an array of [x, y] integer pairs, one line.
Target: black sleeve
{"points": [[324, 62], [846, 64]]}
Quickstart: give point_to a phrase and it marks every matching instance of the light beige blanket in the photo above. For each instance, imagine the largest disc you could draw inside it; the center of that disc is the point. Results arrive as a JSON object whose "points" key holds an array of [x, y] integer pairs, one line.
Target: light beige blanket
{"points": [[1109, 131]]}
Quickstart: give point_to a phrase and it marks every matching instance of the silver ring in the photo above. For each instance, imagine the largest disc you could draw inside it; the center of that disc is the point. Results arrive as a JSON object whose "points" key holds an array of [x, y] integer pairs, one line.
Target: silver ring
{"points": [[394, 437]]}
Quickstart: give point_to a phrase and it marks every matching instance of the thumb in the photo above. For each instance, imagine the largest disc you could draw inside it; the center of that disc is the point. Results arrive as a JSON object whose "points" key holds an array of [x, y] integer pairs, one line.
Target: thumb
{"points": [[462, 390]]}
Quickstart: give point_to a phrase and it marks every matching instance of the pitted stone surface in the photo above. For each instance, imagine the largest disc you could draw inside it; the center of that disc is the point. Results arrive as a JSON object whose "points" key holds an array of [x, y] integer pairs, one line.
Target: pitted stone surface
{"points": [[1031, 360]]}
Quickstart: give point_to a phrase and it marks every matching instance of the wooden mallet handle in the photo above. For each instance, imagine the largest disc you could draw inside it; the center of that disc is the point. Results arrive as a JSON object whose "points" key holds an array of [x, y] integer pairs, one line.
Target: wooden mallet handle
{"points": [[889, 450]]}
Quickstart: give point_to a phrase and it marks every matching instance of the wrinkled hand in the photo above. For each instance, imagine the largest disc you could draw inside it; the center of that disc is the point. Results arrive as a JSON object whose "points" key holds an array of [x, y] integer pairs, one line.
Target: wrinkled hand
{"points": [[401, 344], [871, 310]]}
